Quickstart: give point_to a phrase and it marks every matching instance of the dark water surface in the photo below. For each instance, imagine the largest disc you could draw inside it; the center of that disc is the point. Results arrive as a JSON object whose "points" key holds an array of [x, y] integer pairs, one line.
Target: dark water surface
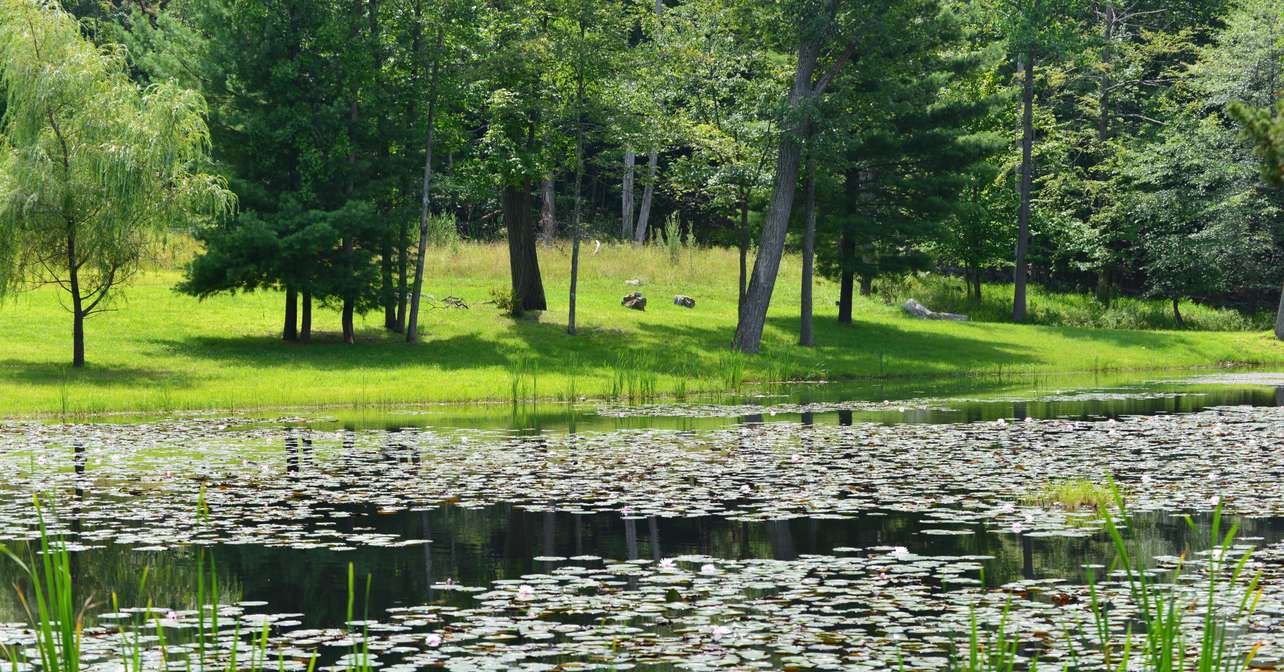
{"points": [[476, 547]]}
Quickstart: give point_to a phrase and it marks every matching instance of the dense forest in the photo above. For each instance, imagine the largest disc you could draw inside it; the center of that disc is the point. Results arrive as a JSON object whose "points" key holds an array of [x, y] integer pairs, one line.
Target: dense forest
{"points": [[1119, 147]]}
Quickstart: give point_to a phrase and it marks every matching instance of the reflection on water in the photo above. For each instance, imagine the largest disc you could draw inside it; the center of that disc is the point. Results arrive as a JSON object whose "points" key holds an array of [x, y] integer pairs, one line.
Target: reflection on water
{"points": [[475, 547], [951, 401]]}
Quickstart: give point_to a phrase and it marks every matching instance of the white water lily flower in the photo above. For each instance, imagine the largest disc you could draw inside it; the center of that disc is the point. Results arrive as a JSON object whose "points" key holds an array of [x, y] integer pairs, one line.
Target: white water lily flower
{"points": [[708, 568], [525, 592], [719, 631], [667, 563], [1017, 527], [433, 640]]}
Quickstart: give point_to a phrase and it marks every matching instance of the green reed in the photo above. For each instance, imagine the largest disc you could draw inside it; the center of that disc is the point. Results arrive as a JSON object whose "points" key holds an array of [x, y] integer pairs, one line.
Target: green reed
{"points": [[50, 608]]}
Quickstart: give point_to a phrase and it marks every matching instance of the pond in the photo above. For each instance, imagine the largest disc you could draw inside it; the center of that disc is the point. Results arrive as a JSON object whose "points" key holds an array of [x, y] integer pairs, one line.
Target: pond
{"points": [[820, 526]]}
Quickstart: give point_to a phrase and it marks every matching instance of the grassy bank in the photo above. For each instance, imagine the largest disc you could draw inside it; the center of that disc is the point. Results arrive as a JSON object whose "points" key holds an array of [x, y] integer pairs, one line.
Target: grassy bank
{"points": [[159, 350]]}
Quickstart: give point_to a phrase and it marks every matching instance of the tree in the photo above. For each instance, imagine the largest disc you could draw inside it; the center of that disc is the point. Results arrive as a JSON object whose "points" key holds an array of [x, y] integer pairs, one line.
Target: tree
{"points": [[583, 35], [1207, 224], [817, 25], [92, 165], [1267, 133], [730, 95], [292, 80], [517, 131], [1036, 30], [913, 135], [450, 17]]}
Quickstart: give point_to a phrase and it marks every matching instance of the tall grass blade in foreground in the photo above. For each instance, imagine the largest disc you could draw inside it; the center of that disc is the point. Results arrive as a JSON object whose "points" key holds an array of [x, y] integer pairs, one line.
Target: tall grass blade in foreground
{"points": [[55, 619], [1161, 614]]}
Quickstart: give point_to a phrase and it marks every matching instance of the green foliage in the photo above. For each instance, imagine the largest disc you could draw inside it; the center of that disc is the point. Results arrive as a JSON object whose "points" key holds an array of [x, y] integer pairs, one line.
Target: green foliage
{"points": [[92, 165], [505, 299], [1167, 637], [1267, 131]]}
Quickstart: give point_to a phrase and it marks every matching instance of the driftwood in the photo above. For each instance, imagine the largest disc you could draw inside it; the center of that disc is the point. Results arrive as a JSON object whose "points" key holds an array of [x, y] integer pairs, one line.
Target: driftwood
{"points": [[916, 309]]}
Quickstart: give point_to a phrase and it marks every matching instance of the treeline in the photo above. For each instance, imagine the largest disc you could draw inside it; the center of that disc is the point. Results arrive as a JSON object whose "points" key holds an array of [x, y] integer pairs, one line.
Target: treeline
{"points": [[1091, 145]]}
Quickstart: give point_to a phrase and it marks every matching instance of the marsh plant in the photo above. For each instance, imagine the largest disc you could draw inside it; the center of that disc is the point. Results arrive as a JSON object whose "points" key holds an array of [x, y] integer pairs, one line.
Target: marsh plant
{"points": [[1161, 636], [59, 622], [51, 609], [1074, 494]]}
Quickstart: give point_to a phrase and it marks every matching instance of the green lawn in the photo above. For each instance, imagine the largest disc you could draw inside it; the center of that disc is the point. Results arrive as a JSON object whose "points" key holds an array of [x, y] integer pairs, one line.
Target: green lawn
{"points": [[158, 350]]}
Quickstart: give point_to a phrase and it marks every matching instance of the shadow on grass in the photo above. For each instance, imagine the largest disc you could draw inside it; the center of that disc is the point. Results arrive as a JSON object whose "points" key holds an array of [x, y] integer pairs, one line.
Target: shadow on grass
{"points": [[56, 373], [675, 349], [374, 349]]}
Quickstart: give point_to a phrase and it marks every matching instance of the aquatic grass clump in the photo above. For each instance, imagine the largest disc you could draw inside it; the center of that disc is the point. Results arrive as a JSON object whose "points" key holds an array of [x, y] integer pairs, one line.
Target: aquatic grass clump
{"points": [[1073, 494], [523, 381], [634, 377]]}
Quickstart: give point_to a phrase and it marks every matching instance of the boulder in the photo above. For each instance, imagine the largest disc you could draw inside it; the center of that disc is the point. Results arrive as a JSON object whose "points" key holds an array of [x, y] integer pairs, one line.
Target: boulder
{"points": [[635, 301], [916, 309], [684, 301]]}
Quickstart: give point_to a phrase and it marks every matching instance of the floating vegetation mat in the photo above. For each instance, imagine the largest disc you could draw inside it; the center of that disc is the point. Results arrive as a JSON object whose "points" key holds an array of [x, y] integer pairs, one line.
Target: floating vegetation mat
{"points": [[233, 481], [140, 484]]}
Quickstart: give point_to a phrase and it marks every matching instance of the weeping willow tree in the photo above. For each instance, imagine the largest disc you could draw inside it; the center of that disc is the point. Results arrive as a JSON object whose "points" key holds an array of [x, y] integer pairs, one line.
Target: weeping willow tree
{"points": [[91, 165]]}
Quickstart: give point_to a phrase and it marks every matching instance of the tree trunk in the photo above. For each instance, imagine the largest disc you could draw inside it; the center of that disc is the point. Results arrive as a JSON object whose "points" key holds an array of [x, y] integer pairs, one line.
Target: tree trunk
{"points": [[77, 306], [808, 256], [744, 257], [1279, 318], [974, 287], [349, 301], [290, 331], [1023, 214], [387, 292], [771, 243], [1181, 324], [403, 272], [579, 183], [847, 258], [548, 209], [305, 320], [1108, 17], [528, 288], [412, 326], [866, 285], [644, 213], [626, 196]]}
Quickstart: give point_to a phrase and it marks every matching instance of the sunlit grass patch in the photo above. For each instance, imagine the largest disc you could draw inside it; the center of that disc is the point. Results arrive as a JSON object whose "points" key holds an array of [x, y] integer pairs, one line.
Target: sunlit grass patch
{"points": [[161, 351]]}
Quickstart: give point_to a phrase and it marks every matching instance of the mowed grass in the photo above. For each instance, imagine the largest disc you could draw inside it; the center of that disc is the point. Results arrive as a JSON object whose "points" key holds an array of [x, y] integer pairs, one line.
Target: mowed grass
{"points": [[159, 350]]}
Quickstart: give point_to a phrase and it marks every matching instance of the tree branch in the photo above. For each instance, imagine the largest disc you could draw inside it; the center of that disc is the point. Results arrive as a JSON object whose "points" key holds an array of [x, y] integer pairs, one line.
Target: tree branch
{"points": [[834, 67]]}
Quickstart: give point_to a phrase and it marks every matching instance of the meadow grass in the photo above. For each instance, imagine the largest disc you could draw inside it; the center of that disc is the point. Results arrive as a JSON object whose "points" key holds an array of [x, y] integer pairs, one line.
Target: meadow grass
{"points": [[1067, 309], [158, 350]]}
